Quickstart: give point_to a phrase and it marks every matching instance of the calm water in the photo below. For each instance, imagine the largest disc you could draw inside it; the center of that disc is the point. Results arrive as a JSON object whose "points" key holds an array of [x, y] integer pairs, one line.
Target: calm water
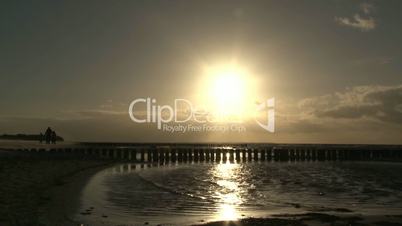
{"points": [[191, 193]]}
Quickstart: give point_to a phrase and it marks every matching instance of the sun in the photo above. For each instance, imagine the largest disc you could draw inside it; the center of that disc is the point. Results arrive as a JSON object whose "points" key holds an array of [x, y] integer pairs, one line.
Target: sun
{"points": [[228, 91]]}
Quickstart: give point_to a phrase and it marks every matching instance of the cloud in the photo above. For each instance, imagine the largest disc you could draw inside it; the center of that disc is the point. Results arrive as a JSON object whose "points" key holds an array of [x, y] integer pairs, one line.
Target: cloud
{"points": [[367, 8], [363, 23], [380, 60], [99, 113], [360, 114], [380, 103]]}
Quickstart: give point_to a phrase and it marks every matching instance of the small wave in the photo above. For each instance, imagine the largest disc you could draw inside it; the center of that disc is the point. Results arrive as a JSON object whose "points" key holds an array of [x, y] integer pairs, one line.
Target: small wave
{"points": [[167, 189]]}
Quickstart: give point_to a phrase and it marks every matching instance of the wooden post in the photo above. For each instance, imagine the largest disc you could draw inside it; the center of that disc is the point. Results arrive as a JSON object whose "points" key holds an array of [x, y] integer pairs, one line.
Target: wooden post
{"points": [[308, 154], [212, 155], [134, 155], [231, 155], [237, 155], [320, 155], [255, 154], [218, 155], [181, 154], [160, 154], [303, 155], [190, 155], [185, 154], [202, 154], [297, 154], [276, 154], [269, 154], [196, 155], [292, 155], [142, 155], [225, 157], [149, 155], [243, 154], [207, 156], [173, 155]]}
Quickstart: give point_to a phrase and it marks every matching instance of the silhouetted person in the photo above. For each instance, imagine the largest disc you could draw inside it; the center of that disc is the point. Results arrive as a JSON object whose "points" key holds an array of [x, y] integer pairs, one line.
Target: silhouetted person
{"points": [[41, 137], [48, 135], [53, 137]]}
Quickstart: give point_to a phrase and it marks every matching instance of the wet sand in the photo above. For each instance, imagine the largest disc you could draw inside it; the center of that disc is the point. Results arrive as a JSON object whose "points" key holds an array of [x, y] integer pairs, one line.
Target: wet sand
{"points": [[314, 219], [64, 198], [46, 192], [37, 191]]}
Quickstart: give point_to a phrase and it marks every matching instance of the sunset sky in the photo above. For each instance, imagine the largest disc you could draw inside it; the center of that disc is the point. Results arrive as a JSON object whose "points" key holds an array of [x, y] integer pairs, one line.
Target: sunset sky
{"points": [[333, 67]]}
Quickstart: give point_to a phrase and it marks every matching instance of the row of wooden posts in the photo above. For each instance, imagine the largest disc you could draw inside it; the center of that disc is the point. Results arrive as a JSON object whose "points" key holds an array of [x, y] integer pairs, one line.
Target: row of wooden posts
{"points": [[221, 154]]}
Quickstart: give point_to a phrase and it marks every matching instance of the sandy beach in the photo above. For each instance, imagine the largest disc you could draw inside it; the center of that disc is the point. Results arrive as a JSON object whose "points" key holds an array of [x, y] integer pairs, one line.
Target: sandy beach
{"points": [[41, 191], [313, 219]]}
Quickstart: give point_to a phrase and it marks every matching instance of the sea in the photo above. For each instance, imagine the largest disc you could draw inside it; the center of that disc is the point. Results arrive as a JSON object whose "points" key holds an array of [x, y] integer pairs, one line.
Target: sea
{"points": [[193, 193]]}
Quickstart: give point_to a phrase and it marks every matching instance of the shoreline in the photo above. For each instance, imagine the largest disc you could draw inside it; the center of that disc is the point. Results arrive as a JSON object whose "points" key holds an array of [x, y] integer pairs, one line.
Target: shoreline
{"points": [[67, 193], [37, 191], [313, 219]]}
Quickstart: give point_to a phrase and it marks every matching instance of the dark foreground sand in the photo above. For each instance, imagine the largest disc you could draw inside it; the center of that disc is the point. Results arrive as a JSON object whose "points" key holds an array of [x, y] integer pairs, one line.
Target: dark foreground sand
{"points": [[41, 191]]}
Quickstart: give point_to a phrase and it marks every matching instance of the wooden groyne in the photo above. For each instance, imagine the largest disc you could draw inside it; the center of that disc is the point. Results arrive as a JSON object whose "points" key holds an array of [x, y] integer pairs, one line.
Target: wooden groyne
{"points": [[169, 153]]}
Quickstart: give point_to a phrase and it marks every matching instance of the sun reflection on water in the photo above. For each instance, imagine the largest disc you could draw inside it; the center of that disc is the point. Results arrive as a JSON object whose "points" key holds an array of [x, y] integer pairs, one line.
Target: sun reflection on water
{"points": [[228, 193]]}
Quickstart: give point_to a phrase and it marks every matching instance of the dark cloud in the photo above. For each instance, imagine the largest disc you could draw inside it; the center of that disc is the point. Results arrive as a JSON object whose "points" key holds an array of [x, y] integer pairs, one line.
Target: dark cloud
{"points": [[382, 103]]}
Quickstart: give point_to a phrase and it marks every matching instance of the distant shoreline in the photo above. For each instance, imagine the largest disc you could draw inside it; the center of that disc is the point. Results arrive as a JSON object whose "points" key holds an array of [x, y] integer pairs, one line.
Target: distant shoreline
{"points": [[26, 137]]}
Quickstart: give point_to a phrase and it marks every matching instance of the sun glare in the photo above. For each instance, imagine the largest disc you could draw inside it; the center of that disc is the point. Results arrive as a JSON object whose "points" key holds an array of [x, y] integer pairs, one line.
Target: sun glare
{"points": [[228, 91], [229, 193]]}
